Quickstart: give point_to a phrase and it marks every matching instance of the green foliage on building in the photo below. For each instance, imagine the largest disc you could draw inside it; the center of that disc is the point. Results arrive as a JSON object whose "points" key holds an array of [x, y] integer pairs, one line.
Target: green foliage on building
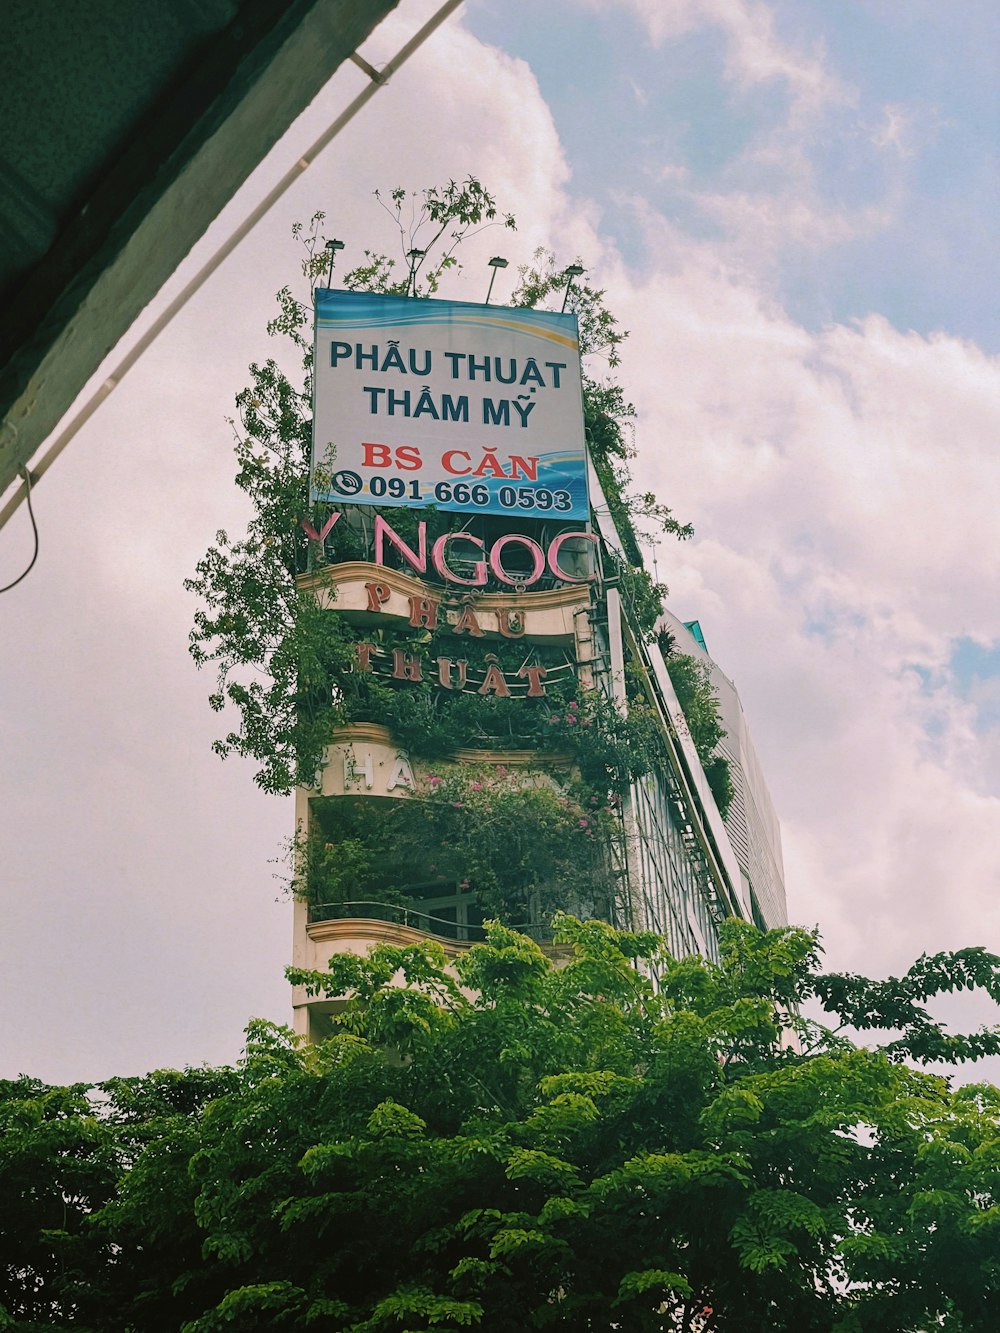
{"points": [[697, 696], [283, 666]]}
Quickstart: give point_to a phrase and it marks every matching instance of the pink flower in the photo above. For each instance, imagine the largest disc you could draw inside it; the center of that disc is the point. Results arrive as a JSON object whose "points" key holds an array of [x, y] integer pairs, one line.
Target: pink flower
{"points": [[573, 707], [569, 718], [585, 823], [457, 805], [464, 884], [477, 786], [433, 780], [502, 769], [552, 719]]}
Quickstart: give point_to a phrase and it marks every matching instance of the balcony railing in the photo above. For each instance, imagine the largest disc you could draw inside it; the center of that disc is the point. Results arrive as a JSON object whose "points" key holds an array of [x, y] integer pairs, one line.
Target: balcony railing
{"points": [[397, 915]]}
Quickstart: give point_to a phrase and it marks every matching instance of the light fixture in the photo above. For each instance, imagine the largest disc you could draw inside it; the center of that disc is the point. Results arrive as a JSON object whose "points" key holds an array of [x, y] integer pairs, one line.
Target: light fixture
{"points": [[496, 262], [331, 248], [413, 256], [572, 272]]}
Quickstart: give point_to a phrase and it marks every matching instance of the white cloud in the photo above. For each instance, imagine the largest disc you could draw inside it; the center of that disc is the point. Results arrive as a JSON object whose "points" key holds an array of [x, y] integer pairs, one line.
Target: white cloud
{"points": [[778, 191], [895, 130], [844, 487], [764, 225], [755, 53]]}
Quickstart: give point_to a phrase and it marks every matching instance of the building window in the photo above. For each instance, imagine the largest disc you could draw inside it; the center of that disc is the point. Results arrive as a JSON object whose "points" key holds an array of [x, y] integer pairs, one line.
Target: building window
{"points": [[455, 915]]}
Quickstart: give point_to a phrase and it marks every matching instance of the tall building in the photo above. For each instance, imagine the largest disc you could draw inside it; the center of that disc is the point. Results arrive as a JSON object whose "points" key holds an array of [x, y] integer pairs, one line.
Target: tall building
{"points": [[513, 743]]}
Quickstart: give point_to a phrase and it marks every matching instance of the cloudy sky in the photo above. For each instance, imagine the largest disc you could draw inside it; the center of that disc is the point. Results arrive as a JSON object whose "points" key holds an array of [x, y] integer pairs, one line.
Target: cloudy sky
{"points": [[793, 209]]}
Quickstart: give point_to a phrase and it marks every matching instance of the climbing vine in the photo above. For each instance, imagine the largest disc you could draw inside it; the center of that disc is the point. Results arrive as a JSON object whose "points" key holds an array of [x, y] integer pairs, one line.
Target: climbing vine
{"points": [[431, 721], [519, 842], [698, 697]]}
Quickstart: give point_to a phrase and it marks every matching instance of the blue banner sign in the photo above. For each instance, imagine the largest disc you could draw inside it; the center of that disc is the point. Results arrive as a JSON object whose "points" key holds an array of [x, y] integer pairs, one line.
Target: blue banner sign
{"points": [[464, 407]]}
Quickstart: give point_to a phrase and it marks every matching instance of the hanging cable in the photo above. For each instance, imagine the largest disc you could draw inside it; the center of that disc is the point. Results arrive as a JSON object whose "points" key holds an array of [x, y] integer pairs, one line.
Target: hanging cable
{"points": [[34, 527]]}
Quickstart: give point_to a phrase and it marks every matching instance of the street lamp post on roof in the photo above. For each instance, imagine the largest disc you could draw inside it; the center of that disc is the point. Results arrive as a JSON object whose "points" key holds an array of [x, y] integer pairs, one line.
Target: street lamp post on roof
{"points": [[414, 256], [571, 273], [496, 262], [331, 248]]}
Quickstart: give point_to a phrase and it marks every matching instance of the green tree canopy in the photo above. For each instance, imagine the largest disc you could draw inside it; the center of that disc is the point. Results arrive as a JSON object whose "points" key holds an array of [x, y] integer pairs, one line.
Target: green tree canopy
{"points": [[605, 1139]]}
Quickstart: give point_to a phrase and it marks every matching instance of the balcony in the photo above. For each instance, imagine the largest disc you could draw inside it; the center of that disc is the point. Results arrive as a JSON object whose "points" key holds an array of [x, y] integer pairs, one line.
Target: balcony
{"points": [[453, 921]]}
